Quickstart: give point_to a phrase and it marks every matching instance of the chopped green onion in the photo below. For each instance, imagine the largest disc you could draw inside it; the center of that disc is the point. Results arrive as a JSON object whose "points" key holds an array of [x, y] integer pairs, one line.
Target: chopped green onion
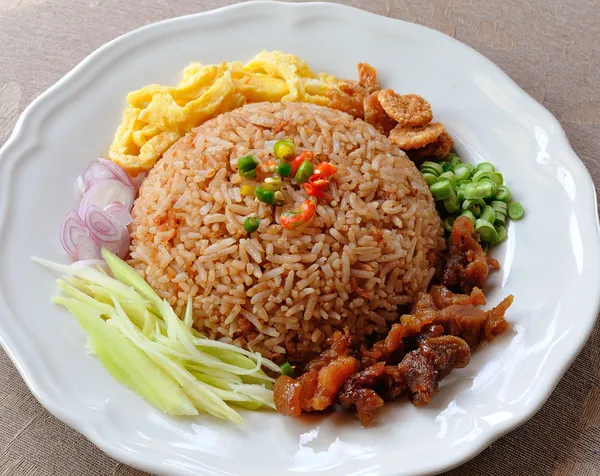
{"points": [[462, 172], [430, 178], [433, 167], [501, 234], [247, 166], [503, 193], [485, 166], [273, 183], [251, 224], [304, 172], [264, 195], [442, 189], [284, 149], [484, 247], [287, 369], [515, 210], [448, 222], [488, 214], [469, 215], [450, 176], [471, 168], [284, 169], [451, 203], [486, 231]]}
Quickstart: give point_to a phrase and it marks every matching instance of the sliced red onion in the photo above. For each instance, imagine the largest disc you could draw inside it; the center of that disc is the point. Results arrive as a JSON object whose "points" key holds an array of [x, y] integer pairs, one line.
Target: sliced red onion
{"points": [[101, 227], [138, 179], [81, 185], [87, 249], [94, 173], [117, 171], [105, 192], [72, 231], [119, 213], [121, 247]]}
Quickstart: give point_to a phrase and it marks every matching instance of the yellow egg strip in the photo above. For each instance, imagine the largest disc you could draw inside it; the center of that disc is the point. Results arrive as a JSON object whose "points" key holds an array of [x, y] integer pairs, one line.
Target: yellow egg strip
{"points": [[157, 116]]}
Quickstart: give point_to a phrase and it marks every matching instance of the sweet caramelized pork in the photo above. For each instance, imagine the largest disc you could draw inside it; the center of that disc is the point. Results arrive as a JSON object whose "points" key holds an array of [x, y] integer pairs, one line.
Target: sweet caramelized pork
{"points": [[467, 265], [438, 335], [424, 368], [443, 297], [358, 392]]}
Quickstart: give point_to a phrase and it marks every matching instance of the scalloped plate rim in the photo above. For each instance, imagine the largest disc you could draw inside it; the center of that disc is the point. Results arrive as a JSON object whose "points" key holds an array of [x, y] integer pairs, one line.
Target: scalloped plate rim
{"points": [[120, 45]]}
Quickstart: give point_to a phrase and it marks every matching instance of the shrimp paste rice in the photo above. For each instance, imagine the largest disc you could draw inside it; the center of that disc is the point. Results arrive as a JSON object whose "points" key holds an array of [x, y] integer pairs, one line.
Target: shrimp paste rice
{"points": [[283, 292]]}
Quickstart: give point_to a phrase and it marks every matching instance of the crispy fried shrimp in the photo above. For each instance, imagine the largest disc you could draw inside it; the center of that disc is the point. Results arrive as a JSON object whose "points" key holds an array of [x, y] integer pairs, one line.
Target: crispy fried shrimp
{"points": [[408, 110], [376, 116], [438, 148], [407, 137], [344, 102], [352, 88], [367, 77]]}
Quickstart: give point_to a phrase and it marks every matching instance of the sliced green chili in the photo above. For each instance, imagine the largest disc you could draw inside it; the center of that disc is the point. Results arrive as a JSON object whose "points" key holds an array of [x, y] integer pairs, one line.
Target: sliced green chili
{"points": [[284, 169], [251, 224], [304, 172], [273, 183], [287, 369], [284, 149], [264, 195], [247, 166]]}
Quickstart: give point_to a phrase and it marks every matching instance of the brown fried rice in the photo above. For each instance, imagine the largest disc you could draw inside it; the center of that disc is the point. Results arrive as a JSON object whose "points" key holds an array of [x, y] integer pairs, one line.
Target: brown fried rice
{"points": [[283, 292]]}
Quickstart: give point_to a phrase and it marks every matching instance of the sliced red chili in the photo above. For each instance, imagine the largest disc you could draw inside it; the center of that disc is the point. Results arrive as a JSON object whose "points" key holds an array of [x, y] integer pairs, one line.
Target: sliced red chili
{"points": [[319, 181], [313, 191], [326, 169], [293, 219]]}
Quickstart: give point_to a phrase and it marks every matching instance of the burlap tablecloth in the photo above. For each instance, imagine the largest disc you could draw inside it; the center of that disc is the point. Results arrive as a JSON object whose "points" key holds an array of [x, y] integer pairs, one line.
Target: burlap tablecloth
{"points": [[550, 47]]}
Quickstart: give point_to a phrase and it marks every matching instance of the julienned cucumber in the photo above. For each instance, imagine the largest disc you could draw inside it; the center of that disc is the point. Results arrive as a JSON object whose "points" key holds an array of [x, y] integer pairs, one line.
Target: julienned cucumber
{"points": [[144, 345]]}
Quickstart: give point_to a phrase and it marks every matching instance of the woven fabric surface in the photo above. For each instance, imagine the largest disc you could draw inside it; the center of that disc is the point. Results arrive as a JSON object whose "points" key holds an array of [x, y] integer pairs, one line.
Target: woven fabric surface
{"points": [[551, 48]]}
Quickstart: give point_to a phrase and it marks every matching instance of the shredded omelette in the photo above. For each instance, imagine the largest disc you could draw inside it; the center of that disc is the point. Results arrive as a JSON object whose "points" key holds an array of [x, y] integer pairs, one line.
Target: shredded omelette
{"points": [[157, 116]]}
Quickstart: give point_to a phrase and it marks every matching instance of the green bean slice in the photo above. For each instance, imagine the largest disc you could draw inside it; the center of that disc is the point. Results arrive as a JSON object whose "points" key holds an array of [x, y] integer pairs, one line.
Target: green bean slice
{"points": [[515, 210]]}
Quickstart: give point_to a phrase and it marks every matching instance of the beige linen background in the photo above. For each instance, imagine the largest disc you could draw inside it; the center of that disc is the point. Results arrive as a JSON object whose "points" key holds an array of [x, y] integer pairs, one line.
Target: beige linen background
{"points": [[551, 48]]}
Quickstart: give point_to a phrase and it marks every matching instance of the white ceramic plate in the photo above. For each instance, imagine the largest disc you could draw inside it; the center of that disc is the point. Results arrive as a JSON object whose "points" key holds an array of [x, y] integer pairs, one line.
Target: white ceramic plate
{"points": [[549, 262]]}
